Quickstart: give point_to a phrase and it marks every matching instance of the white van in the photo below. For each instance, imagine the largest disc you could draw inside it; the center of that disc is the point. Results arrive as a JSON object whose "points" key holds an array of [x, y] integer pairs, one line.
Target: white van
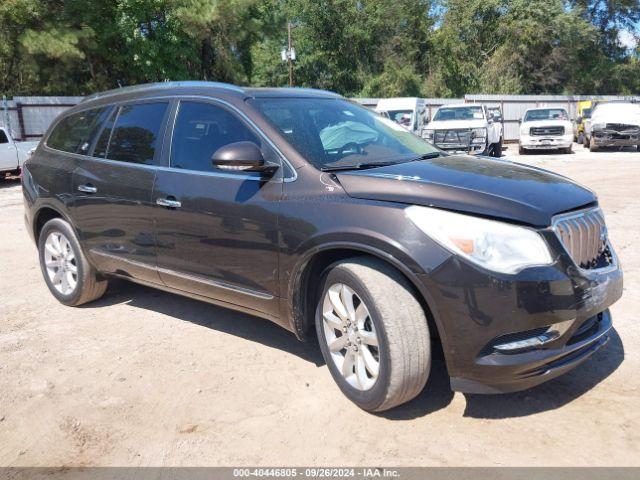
{"points": [[410, 112]]}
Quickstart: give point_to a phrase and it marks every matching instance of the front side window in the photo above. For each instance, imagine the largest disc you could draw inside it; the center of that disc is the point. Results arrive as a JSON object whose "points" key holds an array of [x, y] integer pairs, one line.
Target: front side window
{"points": [[200, 130], [546, 114], [132, 134], [3, 137], [74, 133], [459, 113], [334, 133]]}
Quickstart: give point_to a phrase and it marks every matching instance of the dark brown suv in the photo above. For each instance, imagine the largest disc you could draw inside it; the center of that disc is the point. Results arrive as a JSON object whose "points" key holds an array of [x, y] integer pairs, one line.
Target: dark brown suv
{"points": [[306, 209]]}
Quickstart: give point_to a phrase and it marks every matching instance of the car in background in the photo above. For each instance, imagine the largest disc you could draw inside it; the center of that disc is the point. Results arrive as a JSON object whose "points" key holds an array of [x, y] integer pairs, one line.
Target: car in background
{"points": [[12, 153], [615, 124], [465, 128], [547, 128], [409, 112]]}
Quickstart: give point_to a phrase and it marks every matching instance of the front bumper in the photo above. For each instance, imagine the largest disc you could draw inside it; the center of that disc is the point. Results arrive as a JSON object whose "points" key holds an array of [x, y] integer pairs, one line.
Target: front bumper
{"points": [[476, 310], [533, 142], [612, 138]]}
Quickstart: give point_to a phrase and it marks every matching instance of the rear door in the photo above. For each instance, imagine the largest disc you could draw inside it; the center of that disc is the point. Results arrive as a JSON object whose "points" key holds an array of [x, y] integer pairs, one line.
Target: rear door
{"points": [[112, 207], [220, 239]]}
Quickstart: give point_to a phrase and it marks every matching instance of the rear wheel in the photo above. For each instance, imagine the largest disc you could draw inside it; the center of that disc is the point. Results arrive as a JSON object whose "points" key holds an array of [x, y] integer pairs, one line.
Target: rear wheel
{"points": [[68, 274], [373, 334]]}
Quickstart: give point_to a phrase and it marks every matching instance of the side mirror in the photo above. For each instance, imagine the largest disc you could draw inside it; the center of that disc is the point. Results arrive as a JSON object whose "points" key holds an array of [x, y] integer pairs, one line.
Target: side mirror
{"points": [[241, 156]]}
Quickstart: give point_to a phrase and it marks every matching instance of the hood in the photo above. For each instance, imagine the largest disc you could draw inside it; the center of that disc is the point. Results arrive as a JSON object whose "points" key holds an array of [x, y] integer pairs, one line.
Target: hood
{"points": [[548, 123], [26, 146], [482, 186], [454, 124]]}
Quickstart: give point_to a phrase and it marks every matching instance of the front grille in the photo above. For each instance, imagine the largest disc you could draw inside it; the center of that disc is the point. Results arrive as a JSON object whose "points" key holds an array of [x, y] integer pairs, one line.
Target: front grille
{"points": [[452, 138], [584, 236], [542, 131], [621, 127]]}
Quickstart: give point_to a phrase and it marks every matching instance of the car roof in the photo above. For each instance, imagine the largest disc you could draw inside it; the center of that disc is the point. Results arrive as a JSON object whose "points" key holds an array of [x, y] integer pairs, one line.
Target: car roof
{"points": [[200, 87], [458, 105]]}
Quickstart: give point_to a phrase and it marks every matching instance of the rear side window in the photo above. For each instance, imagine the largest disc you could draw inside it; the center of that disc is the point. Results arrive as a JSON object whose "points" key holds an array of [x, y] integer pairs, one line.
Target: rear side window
{"points": [[131, 134], [74, 133], [200, 130]]}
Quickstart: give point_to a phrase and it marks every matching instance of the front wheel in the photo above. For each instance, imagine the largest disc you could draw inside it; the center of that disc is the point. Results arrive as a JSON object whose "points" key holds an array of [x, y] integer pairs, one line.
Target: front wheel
{"points": [[68, 274], [373, 334], [592, 145]]}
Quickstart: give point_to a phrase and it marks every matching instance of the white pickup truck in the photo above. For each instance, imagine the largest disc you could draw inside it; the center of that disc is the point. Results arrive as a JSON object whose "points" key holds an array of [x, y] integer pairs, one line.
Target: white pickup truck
{"points": [[12, 153], [466, 128]]}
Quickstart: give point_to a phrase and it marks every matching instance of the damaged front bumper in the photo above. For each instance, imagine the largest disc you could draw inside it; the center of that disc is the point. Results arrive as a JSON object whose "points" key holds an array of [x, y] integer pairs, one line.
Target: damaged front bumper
{"points": [[504, 333], [609, 137]]}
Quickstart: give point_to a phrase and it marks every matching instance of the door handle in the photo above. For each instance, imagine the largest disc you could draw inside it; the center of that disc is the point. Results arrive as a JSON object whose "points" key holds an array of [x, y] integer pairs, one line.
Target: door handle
{"points": [[169, 203], [88, 188]]}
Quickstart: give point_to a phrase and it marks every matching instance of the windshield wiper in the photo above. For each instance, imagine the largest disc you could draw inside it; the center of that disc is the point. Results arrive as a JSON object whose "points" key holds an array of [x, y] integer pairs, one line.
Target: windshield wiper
{"points": [[357, 166], [429, 156], [365, 165]]}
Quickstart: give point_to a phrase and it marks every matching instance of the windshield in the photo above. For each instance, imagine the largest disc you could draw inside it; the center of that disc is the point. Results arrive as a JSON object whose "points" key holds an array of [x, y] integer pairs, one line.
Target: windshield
{"points": [[403, 117], [332, 133], [586, 113], [459, 113], [546, 114]]}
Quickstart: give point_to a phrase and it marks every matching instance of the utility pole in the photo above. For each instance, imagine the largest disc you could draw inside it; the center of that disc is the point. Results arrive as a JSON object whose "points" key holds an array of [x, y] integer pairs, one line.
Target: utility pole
{"points": [[289, 54]]}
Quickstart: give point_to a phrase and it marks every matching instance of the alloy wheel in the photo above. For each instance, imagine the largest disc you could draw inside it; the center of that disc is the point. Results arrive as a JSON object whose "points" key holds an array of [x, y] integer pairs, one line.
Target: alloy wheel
{"points": [[351, 336], [60, 263]]}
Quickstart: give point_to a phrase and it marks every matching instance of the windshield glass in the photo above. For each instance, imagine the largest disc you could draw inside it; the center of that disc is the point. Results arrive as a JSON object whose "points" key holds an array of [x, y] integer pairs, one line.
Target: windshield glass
{"points": [[459, 113], [336, 133], [546, 114], [403, 117], [586, 113]]}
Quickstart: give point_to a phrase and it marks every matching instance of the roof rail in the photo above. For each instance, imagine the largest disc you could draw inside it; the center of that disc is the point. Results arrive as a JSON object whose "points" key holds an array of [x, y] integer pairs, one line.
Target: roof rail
{"points": [[162, 85]]}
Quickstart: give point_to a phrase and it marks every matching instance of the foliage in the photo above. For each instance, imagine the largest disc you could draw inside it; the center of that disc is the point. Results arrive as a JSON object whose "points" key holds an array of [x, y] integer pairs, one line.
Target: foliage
{"points": [[355, 47]]}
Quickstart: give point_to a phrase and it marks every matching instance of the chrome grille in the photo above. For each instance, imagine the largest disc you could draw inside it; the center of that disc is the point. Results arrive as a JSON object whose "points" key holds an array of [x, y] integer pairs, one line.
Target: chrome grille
{"points": [[542, 131], [583, 235]]}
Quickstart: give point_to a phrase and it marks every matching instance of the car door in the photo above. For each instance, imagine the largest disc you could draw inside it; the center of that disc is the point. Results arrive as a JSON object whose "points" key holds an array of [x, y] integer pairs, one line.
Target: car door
{"points": [[217, 231], [8, 153], [112, 207]]}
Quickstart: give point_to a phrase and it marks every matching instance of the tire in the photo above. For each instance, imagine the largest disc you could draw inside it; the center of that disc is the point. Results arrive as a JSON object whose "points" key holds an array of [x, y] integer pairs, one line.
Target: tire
{"points": [[521, 150], [392, 314], [592, 145], [88, 286], [567, 150], [497, 149], [585, 141]]}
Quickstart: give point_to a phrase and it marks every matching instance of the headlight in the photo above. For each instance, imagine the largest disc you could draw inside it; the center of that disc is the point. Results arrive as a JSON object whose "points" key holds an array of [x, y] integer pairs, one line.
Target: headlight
{"points": [[479, 135], [524, 130], [494, 245], [427, 134]]}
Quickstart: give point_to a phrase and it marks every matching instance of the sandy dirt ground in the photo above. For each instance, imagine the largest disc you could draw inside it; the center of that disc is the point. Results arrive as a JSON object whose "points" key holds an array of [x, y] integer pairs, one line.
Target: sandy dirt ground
{"points": [[144, 378]]}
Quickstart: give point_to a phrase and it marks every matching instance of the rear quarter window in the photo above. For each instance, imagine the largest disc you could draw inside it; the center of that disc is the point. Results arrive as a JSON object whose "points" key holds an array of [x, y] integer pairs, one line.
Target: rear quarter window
{"points": [[75, 133]]}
